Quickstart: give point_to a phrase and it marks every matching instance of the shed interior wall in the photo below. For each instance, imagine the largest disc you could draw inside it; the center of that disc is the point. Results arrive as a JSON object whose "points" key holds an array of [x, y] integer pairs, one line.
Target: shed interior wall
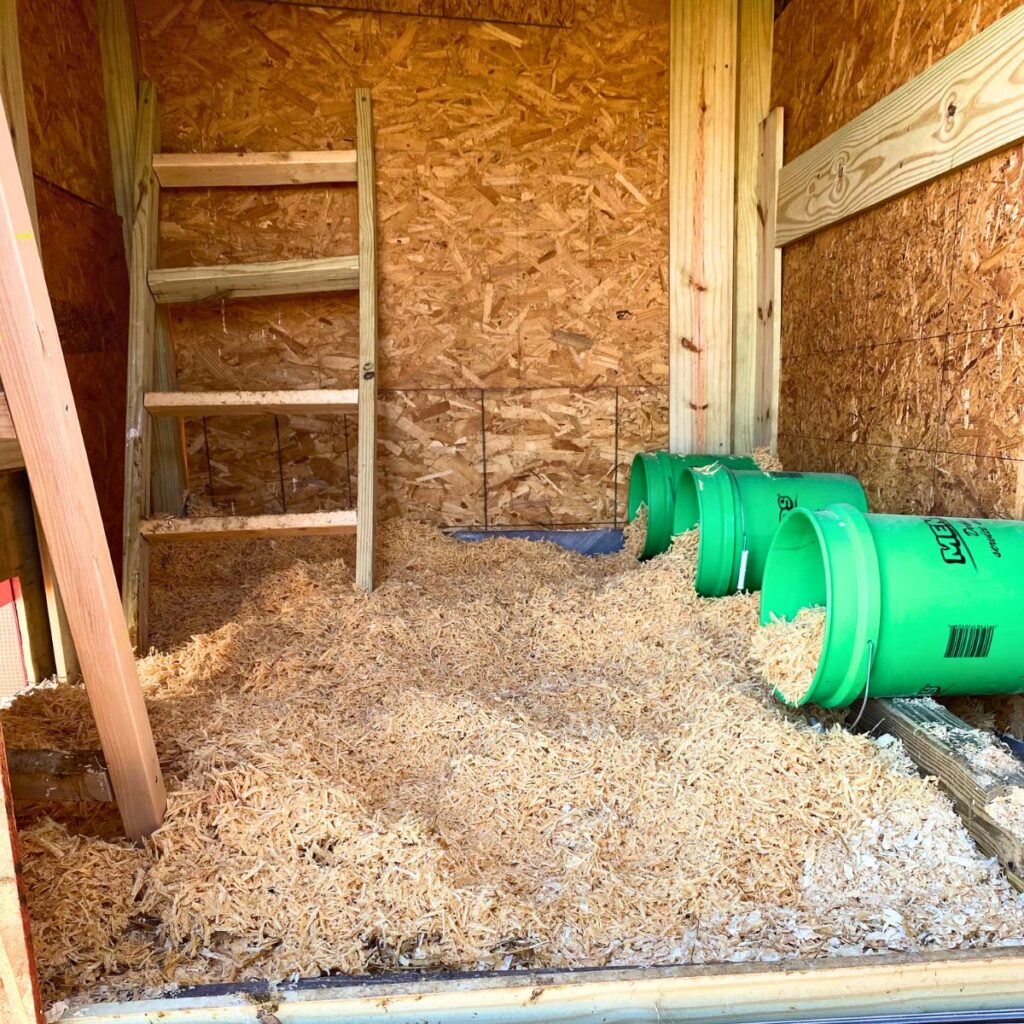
{"points": [[903, 327]]}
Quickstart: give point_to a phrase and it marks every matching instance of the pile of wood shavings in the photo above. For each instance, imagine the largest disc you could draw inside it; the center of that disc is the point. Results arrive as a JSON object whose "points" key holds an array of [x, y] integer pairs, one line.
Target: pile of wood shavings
{"points": [[508, 754], [635, 533], [787, 652], [1008, 810]]}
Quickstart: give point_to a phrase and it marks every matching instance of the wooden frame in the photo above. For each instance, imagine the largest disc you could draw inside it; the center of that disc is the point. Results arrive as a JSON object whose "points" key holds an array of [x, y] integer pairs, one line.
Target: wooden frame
{"points": [[702, 141], [242, 170], [43, 410], [366, 483], [248, 403]]}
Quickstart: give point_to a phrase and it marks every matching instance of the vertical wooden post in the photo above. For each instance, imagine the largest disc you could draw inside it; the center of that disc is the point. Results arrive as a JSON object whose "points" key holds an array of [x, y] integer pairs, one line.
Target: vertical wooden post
{"points": [[19, 981], [756, 21], [119, 52], [43, 410], [366, 444], [769, 284], [141, 331]]}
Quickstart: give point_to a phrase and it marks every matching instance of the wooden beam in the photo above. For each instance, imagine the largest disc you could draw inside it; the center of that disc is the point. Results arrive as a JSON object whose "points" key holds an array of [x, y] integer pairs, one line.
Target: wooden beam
{"points": [[291, 524], [65, 659], [248, 403], [119, 51], [946, 747], [168, 464], [12, 91], [366, 483], [769, 287], [10, 450], [19, 980], [702, 137], [43, 408], [212, 170], [141, 344], [756, 20], [251, 280], [59, 776], [969, 104]]}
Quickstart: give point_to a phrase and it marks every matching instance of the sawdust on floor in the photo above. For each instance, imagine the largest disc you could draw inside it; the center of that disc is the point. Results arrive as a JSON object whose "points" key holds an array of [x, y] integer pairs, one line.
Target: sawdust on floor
{"points": [[508, 754], [787, 652]]}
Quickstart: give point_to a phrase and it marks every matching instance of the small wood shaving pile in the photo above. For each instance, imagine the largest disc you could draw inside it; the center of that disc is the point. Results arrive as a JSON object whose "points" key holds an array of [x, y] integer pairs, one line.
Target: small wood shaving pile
{"points": [[635, 533], [767, 462], [508, 754], [1008, 811], [787, 652]]}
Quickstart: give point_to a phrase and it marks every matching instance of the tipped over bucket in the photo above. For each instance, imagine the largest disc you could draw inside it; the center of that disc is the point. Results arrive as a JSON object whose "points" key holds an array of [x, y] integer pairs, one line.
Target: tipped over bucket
{"points": [[738, 513], [918, 605], [652, 486]]}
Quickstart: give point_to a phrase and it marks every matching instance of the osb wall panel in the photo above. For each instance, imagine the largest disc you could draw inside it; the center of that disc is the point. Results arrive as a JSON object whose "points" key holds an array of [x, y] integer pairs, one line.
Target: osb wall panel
{"points": [[518, 12], [522, 202], [901, 340]]}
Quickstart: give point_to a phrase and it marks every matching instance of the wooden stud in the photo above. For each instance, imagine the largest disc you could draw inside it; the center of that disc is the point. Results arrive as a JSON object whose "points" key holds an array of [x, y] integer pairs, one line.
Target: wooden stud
{"points": [[941, 745], [212, 170], [247, 403], [65, 660], [43, 408], [291, 524], [702, 137], [756, 19], [12, 91], [366, 485], [141, 332], [19, 980], [769, 286], [169, 473], [59, 775], [962, 108], [252, 280]]}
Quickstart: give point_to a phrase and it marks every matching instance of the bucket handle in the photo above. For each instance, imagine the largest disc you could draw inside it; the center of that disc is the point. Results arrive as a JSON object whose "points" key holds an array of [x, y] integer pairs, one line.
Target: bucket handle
{"points": [[867, 685]]}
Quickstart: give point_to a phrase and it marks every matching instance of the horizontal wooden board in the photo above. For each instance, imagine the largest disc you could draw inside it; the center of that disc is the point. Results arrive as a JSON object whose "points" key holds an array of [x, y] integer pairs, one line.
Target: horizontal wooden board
{"points": [[210, 170], [248, 280], [967, 105], [244, 403], [225, 527], [61, 775]]}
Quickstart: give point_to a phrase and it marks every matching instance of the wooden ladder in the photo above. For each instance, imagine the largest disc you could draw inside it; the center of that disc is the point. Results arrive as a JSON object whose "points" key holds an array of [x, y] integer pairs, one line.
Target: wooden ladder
{"points": [[154, 460]]}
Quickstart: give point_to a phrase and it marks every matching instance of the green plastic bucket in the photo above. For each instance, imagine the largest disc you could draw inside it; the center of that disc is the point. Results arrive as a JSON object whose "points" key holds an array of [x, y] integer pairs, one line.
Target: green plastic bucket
{"points": [[928, 605], [652, 482], [739, 512]]}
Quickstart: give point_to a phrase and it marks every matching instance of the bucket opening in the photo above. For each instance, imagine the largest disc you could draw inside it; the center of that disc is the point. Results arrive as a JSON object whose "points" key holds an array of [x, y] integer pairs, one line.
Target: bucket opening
{"points": [[686, 513], [795, 578], [637, 496]]}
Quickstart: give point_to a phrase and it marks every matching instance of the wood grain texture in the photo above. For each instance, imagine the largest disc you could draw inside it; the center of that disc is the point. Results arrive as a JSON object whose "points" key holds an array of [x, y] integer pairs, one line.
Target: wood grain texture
{"points": [[219, 170], [255, 280], [768, 327], [942, 745], [702, 222], [59, 775], [12, 92], [366, 496], [294, 524], [39, 393], [967, 105], [753, 88], [141, 343], [19, 980], [245, 403]]}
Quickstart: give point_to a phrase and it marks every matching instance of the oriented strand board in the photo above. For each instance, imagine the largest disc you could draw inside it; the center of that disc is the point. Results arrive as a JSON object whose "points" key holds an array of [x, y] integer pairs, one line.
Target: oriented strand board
{"points": [[550, 457], [642, 427], [64, 97], [984, 487]]}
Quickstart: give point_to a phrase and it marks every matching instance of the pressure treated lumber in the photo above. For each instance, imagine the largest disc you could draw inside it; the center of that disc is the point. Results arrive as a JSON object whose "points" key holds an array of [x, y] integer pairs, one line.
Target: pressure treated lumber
{"points": [[291, 524], [168, 472], [942, 745], [247, 403], [211, 170], [141, 342], [702, 136], [366, 485], [756, 18], [19, 981], [769, 286], [251, 280], [59, 775], [967, 105], [43, 408]]}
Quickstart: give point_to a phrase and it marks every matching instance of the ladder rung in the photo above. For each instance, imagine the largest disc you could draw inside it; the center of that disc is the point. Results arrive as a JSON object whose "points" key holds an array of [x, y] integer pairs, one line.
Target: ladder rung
{"points": [[250, 280], [210, 170], [246, 403], [291, 524]]}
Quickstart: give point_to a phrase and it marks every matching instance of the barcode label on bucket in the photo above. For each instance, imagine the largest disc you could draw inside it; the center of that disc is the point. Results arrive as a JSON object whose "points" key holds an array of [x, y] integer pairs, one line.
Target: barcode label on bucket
{"points": [[969, 641]]}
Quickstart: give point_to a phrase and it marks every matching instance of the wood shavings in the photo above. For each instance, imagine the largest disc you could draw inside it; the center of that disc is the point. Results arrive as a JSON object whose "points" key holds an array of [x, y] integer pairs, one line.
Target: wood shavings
{"points": [[788, 652], [766, 461], [635, 533], [1008, 811], [506, 751]]}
